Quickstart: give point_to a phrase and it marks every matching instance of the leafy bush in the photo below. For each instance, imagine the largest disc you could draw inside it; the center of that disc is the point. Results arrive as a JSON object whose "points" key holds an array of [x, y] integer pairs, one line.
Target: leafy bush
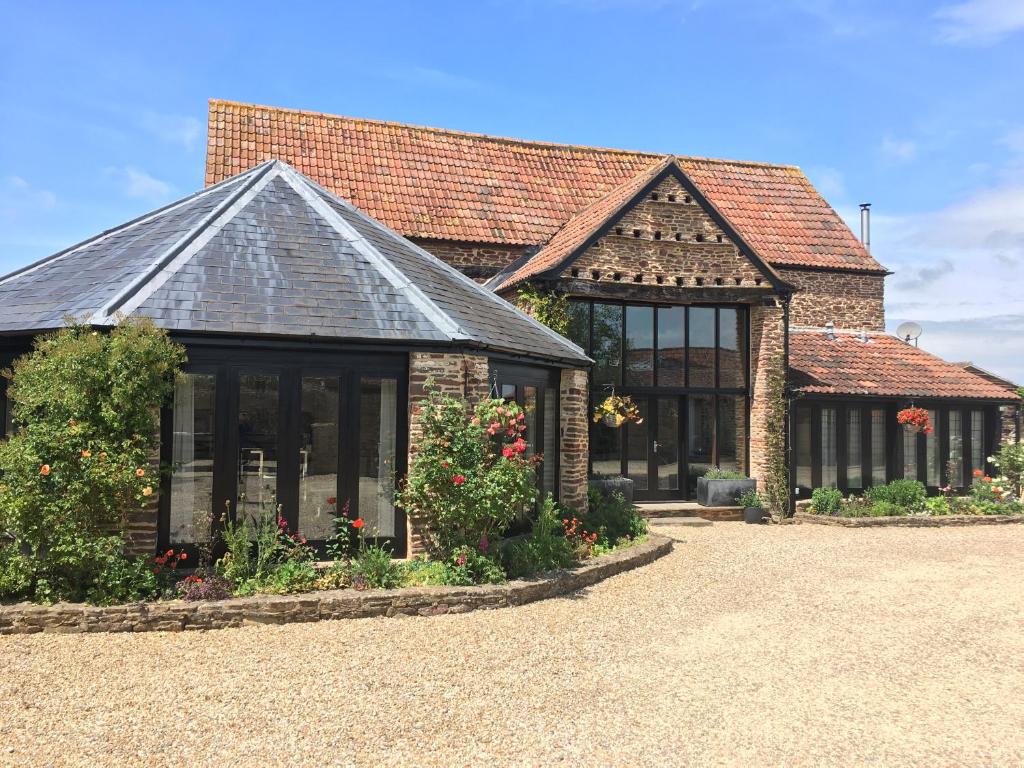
{"points": [[717, 473], [469, 478], [1009, 460], [467, 566], [545, 549], [420, 572], [15, 573], [372, 567], [938, 505], [86, 405], [910, 495], [612, 518], [546, 307], [210, 587], [750, 499], [886, 509], [827, 501]]}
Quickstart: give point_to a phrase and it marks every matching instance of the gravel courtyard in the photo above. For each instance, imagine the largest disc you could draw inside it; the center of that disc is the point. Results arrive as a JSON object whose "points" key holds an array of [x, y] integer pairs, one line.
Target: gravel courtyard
{"points": [[786, 645]]}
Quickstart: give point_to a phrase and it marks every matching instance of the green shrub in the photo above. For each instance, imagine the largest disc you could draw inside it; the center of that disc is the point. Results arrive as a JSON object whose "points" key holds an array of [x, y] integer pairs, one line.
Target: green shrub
{"points": [[466, 566], [611, 518], [470, 477], [545, 549], [910, 495], [826, 501], [1009, 460], [938, 505], [886, 509], [750, 499], [546, 307], [420, 572], [86, 407], [373, 567], [15, 574], [716, 473]]}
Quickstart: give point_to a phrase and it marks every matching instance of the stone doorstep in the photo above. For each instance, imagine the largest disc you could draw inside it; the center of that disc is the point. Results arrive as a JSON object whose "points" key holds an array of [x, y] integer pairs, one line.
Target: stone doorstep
{"points": [[692, 522], [906, 521], [688, 509], [176, 616]]}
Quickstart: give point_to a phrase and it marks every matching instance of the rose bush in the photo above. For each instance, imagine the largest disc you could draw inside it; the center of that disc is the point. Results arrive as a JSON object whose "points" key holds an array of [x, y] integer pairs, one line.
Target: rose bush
{"points": [[470, 477], [86, 408]]}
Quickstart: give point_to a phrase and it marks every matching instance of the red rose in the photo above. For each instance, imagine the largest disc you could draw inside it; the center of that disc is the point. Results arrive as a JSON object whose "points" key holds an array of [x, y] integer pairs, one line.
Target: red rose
{"points": [[358, 523], [332, 500], [507, 452], [458, 479]]}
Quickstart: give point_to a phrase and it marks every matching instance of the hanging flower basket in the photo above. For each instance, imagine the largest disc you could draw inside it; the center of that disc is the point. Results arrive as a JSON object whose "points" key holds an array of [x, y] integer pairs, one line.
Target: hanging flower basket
{"points": [[915, 420], [615, 411]]}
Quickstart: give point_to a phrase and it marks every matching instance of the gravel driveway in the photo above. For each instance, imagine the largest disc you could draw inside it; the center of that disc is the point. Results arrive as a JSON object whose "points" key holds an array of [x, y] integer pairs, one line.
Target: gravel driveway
{"points": [[795, 645]]}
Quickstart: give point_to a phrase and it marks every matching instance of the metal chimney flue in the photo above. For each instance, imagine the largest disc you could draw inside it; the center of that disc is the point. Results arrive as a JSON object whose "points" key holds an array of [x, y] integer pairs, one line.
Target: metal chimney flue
{"points": [[865, 225]]}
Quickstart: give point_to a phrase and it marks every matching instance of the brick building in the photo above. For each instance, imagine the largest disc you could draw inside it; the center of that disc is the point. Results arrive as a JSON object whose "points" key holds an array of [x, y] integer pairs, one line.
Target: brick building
{"points": [[691, 280]]}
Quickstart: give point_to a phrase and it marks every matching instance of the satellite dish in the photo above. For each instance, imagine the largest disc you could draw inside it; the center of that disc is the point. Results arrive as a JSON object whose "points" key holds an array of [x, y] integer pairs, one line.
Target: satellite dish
{"points": [[909, 332]]}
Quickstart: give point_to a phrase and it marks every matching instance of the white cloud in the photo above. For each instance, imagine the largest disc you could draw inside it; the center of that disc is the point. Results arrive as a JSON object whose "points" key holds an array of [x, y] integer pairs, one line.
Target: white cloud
{"points": [[829, 181], [174, 129], [980, 22], [899, 149], [18, 197], [135, 182], [959, 271]]}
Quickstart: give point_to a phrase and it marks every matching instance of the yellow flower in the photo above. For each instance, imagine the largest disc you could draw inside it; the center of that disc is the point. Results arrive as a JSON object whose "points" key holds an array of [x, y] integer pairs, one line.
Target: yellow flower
{"points": [[86, 454], [147, 491]]}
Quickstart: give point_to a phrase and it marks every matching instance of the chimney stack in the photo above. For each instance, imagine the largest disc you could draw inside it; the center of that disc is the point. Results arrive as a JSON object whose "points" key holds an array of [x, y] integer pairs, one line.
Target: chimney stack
{"points": [[865, 225]]}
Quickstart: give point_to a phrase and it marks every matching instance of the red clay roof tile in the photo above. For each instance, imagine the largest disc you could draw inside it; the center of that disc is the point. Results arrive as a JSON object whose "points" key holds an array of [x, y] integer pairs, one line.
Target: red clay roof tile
{"points": [[441, 184]]}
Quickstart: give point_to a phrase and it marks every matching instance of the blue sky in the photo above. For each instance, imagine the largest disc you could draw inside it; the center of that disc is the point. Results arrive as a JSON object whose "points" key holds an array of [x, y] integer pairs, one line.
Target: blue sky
{"points": [[917, 107]]}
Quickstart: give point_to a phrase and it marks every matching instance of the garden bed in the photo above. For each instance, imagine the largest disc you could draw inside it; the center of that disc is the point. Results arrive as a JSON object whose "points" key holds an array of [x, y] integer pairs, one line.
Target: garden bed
{"points": [[907, 521], [178, 615]]}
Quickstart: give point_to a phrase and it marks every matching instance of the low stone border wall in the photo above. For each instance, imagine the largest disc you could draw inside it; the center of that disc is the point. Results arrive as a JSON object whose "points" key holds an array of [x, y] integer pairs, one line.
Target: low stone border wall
{"points": [[177, 615], [907, 521]]}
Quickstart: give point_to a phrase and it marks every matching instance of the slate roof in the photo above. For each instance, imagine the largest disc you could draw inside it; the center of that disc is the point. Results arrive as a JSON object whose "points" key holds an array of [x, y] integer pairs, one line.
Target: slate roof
{"points": [[884, 366], [269, 252], [440, 184]]}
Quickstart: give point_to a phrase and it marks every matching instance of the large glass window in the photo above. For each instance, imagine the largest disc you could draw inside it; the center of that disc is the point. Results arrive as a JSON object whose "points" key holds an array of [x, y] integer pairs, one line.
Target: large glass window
{"points": [[933, 457], [607, 344], [701, 351], [530, 414], [579, 324], [640, 346], [829, 453], [318, 456], [605, 447], [854, 469], [731, 345], [377, 445], [667, 453], [732, 413], [636, 450], [671, 346], [802, 447], [258, 417], [550, 447], [191, 507], [978, 441], [956, 449], [700, 428], [878, 453], [909, 454]]}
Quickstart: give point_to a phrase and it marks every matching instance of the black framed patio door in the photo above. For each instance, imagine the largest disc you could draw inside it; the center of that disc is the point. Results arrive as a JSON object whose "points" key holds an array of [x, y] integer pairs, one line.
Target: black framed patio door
{"points": [[655, 455]]}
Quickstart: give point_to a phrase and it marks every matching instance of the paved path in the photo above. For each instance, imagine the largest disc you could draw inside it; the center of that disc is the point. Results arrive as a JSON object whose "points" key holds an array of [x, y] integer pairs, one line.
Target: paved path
{"points": [[749, 645]]}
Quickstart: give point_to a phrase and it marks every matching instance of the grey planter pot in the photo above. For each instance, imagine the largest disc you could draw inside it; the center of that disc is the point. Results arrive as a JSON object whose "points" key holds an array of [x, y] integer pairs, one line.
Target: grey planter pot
{"points": [[753, 515], [722, 493], [608, 485]]}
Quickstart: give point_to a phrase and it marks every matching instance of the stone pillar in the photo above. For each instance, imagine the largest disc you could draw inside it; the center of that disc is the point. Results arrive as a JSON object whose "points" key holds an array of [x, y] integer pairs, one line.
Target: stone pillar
{"points": [[454, 374], [574, 437], [767, 335], [1009, 419]]}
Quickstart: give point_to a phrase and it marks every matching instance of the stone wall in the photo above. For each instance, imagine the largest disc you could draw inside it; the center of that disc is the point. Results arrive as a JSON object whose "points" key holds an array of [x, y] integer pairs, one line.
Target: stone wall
{"points": [[1010, 423], [175, 616], [851, 301], [667, 239], [477, 260], [574, 438], [767, 339], [906, 521]]}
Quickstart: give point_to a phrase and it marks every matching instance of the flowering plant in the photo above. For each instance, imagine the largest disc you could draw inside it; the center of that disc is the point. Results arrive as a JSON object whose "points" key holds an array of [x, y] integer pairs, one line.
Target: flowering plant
{"points": [[616, 410], [582, 541], [470, 477], [915, 420]]}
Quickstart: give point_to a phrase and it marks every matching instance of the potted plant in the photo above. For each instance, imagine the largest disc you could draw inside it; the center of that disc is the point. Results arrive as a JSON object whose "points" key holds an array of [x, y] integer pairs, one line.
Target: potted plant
{"points": [[753, 506], [614, 411], [722, 487], [915, 420]]}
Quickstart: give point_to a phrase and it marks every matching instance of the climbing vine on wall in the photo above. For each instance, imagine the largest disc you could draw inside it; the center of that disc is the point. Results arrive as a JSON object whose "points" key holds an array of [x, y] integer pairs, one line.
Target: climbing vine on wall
{"points": [[546, 307], [776, 480]]}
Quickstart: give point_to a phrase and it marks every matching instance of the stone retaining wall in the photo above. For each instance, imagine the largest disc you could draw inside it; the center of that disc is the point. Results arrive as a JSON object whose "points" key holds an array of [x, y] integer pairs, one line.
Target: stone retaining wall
{"points": [[907, 521], [177, 615]]}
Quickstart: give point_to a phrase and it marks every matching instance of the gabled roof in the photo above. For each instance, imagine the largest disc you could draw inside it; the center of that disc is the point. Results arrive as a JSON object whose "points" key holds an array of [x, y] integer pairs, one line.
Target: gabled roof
{"points": [[269, 252], [882, 366], [592, 222], [440, 184]]}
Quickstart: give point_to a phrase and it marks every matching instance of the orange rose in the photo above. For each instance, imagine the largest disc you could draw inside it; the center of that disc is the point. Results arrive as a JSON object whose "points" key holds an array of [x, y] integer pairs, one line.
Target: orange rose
{"points": [[86, 454], [140, 472], [147, 491], [44, 470]]}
